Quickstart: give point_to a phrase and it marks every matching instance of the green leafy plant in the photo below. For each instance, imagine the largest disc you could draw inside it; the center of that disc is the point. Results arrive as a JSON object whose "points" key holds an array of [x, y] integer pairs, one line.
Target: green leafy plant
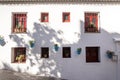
{"points": [[32, 43], [92, 25], [79, 50], [20, 58]]}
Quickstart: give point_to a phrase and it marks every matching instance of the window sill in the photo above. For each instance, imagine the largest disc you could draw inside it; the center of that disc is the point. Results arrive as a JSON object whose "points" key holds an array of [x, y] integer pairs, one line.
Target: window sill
{"points": [[19, 32], [19, 62], [92, 32], [92, 61]]}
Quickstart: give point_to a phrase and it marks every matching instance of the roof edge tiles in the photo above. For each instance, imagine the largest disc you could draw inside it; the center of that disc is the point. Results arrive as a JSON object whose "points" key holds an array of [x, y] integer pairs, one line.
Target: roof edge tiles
{"points": [[57, 1]]}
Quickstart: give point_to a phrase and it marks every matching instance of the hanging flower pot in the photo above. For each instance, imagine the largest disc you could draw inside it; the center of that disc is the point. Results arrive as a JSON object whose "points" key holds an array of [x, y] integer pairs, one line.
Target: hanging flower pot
{"points": [[110, 54], [2, 41], [32, 43], [79, 50], [56, 47]]}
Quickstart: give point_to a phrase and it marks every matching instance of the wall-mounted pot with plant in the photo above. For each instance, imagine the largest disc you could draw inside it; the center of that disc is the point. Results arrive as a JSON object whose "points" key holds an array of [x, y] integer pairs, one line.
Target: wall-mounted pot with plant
{"points": [[79, 50], [110, 54], [32, 43], [56, 47], [2, 41]]}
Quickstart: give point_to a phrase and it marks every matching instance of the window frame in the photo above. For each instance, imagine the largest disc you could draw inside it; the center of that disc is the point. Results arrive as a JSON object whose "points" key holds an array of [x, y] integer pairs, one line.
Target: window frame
{"points": [[43, 15], [89, 26], [15, 55], [24, 18], [42, 54], [63, 52], [92, 58], [64, 14]]}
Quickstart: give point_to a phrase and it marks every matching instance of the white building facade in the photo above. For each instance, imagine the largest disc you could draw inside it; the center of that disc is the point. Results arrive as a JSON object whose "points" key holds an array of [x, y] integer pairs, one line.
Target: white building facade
{"points": [[56, 30]]}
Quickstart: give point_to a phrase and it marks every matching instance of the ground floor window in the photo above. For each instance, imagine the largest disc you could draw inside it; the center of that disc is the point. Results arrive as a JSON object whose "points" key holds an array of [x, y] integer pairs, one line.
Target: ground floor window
{"points": [[92, 54], [44, 52], [18, 54], [66, 52]]}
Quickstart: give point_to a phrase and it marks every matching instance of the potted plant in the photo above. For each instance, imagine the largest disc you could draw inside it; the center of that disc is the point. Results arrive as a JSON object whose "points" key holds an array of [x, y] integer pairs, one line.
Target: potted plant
{"points": [[110, 54], [67, 55], [79, 50], [2, 42], [32, 43], [20, 58], [56, 47], [91, 27]]}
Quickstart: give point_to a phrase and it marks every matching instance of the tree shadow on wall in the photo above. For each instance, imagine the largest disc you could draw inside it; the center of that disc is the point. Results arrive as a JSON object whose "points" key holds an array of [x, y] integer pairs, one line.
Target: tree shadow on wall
{"points": [[44, 36]]}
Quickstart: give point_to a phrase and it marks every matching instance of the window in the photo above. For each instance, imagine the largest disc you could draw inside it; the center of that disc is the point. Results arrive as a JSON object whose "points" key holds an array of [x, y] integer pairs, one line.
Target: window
{"points": [[91, 22], [44, 17], [92, 54], [66, 52], [66, 17], [45, 52], [19, 55], [19, 22]]}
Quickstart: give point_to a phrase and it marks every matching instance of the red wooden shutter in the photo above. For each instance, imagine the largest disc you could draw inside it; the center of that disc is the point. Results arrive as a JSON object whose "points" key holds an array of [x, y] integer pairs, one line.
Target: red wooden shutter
{"points": [[87, 20]]}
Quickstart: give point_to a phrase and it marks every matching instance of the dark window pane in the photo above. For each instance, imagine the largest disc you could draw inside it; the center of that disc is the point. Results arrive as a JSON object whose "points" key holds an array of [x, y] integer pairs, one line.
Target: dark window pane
{"points": [[45, 52], [66, 52], [92, 54]]}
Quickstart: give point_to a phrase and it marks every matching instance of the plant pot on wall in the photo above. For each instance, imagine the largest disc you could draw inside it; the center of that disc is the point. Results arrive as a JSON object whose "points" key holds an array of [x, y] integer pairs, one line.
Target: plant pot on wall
{"points": [[110, 54], [2, 41], [79, 50], [32, 43], [56, 47]]}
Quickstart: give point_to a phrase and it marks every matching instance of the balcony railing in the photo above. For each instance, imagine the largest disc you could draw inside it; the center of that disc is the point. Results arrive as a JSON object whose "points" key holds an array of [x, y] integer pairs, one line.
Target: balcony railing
{"points": [[91, 29], [19, 30]]}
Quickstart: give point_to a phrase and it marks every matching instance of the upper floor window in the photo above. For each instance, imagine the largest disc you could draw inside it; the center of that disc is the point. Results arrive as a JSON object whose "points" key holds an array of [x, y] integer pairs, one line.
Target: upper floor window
{"points": [[18, 54], [91, 22], [19, 22], [44, 17], [66, 17]]}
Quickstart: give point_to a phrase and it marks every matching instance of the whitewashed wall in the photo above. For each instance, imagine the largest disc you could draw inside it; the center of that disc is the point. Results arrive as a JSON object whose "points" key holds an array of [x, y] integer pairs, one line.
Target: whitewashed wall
{"points": [[66, 34]]}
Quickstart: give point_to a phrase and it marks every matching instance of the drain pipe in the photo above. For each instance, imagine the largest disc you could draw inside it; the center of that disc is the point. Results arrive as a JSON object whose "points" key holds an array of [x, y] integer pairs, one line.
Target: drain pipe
{"points": [[117, 41]]}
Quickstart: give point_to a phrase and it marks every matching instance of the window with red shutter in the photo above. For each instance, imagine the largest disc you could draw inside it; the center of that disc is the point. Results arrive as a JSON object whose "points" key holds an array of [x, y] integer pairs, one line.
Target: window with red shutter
{"points": [[44, 17], [91, 22], [66, 17], [19, 22]]}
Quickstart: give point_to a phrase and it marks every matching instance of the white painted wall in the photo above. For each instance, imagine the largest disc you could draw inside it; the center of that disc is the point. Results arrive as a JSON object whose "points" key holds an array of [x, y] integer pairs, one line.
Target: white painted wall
{"points": [[72, 35]]}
